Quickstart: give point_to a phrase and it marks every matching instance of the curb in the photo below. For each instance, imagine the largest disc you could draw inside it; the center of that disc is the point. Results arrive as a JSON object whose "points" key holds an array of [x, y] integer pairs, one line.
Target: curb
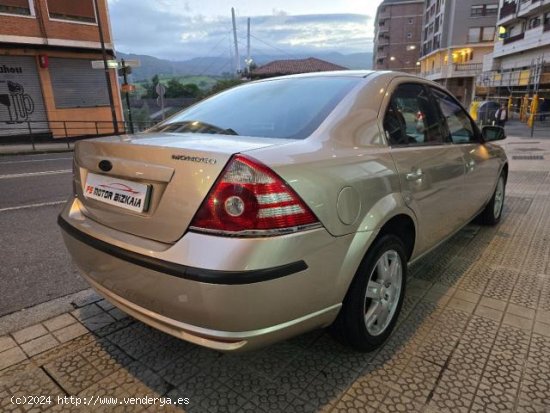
{"points": [[36, 152], [44, 311]]}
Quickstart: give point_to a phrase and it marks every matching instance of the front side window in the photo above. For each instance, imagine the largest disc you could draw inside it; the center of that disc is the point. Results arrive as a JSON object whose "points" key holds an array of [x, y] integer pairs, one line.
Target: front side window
{"points": [[19, 7], [459, 124], [411, 119], [285, 108]]}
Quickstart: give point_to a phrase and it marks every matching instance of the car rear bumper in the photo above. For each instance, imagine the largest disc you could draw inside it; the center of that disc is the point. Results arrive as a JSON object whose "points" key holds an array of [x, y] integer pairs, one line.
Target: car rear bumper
{"points": [[223, 293]]}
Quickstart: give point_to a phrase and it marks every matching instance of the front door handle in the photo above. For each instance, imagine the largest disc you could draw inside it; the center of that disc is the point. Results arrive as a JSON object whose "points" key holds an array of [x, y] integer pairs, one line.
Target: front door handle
{"points": [[415, 175]]}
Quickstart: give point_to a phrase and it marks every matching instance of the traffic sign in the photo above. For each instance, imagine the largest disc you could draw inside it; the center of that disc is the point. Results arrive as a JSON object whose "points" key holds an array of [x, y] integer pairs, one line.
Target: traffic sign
{"points": [[99, 64], [160, 89], [132, 63], [127, 88]]}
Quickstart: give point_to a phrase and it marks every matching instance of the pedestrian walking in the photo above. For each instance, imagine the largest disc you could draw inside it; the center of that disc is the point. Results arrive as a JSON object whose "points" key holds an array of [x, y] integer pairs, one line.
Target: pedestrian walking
{"points": [[501, 116]]}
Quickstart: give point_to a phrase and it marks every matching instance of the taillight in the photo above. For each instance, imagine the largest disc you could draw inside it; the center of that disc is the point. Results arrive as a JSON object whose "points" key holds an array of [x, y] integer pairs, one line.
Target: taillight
{"points": [[250, 199]]}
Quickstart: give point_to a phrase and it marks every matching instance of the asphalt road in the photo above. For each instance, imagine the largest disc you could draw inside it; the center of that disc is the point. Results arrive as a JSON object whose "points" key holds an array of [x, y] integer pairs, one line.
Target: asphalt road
{"points": [[34, 265]]}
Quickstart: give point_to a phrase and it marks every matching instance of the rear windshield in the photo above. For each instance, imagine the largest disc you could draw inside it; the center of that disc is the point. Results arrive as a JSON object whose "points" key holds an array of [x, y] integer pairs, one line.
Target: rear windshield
{"points": [[284, 108]]}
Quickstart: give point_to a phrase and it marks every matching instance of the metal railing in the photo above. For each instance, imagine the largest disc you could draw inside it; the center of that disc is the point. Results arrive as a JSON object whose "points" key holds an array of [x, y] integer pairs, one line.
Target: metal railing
{"points": [[63, 131], [468, 67], [512, 39]]}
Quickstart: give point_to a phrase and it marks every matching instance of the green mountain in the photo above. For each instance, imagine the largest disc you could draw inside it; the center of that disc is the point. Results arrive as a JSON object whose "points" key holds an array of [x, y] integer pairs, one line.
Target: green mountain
{"points": [[217, 66]]}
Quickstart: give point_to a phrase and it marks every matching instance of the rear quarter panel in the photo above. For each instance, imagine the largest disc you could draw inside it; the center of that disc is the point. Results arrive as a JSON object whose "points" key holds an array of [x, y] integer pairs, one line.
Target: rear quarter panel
{"points": [[348, 152]]}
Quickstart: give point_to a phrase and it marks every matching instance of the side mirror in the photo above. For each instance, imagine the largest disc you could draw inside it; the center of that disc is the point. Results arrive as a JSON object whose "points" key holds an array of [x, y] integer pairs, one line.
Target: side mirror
{"points": [[493, 133]]}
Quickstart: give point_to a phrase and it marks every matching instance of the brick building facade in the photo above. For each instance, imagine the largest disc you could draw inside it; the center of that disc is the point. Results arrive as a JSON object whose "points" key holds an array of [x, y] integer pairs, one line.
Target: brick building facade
{"points": [[398, 30], [47, 83]]}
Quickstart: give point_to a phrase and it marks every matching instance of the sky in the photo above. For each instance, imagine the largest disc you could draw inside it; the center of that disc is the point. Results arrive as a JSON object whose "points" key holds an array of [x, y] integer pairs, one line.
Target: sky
{"points": [[182, 30]]}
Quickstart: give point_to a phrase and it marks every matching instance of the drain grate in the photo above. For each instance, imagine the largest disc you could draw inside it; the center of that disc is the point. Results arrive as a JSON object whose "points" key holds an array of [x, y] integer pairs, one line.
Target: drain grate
{"points": [[528, 157]]}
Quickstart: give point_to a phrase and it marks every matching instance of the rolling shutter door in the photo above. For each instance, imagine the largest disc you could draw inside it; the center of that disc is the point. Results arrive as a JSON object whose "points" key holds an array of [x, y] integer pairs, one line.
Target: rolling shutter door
{"points": [[76, 85], [21, 100]]}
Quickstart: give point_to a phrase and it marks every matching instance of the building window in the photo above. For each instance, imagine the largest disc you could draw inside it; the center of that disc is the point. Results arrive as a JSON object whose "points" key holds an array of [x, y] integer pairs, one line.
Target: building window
{"points": [[477, 11], [19, 7], [474, 34], [79, 11], [409, 35], [484, 10], [488, 34], [481, 34], [411, 21], [491, 9], [534, 22]]}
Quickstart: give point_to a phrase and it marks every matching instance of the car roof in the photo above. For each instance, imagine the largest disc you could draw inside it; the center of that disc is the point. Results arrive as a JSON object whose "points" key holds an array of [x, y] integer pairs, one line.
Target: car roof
{"points": [[335, 73], [344, 73]]}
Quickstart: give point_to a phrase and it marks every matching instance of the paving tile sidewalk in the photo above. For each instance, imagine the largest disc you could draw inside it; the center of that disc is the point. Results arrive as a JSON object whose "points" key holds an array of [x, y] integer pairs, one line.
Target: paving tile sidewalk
{"points": [[474, 335]]}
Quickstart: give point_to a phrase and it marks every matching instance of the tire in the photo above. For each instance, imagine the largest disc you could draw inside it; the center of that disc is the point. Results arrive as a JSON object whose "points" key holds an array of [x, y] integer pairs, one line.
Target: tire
{"points": [[493, 211], [353, 325]]}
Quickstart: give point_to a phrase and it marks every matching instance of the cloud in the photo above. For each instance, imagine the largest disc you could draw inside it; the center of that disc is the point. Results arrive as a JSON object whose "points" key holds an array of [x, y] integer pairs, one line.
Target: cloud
{"points": [[160, 29]]}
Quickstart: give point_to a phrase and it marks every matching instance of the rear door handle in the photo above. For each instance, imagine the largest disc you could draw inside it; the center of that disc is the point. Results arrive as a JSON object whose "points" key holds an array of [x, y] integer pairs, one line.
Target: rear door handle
{"points": [[415, 175]]}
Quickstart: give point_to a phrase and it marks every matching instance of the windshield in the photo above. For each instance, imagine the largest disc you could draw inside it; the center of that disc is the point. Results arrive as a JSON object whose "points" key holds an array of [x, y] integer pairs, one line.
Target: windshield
{"points": [[285, 108]]}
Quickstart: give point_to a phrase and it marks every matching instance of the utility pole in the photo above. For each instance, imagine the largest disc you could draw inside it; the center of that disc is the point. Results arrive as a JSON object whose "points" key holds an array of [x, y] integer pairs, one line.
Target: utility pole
{"points": [[237, 57], [248, 61], [107, 74], [124, 70]]}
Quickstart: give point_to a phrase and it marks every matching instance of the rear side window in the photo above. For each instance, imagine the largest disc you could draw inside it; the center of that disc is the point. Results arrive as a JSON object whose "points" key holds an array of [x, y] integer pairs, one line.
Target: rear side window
{"points": [[411, 118], [459, 125], [285, 108]]}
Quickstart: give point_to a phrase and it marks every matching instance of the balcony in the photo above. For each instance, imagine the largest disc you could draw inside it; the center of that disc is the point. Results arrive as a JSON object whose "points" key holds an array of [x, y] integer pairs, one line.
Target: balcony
{"points": [[528, 8], [513, 39], [454, 70], [529, 40], [508, 9], [383, 41], [468, 69]]}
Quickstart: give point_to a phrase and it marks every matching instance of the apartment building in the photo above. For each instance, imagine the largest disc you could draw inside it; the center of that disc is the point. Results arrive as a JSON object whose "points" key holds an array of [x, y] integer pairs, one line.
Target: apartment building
{"points": [[520, 61], [398, 29], [456, 36], [47, 82]]}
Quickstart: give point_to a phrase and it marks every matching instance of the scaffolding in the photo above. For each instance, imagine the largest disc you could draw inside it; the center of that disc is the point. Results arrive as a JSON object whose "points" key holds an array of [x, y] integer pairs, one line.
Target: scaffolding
{"points": [[526, 92]]}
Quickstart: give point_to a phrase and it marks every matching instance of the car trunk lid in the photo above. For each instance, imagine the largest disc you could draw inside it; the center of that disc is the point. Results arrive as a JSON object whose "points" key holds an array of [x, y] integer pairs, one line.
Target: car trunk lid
{"points": [[151, 185]]}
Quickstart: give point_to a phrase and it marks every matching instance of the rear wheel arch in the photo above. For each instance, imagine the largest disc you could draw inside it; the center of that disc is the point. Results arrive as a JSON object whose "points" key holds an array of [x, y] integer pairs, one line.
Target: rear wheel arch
{"points": [[403, 227]]}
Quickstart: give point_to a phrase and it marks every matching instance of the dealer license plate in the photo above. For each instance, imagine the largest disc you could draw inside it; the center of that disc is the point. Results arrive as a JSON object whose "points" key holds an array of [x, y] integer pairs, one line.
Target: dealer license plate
{"points": [[119, 192]]}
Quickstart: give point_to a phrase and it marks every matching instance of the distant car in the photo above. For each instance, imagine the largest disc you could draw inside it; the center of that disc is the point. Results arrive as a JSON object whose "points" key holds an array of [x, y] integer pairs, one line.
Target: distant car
{"points": [[281, 206]]}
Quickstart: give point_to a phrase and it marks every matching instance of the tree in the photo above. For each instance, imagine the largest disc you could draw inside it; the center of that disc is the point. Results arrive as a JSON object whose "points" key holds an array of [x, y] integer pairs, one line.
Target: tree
{"points": [[150, 92], [224, 84], [175, 89]]}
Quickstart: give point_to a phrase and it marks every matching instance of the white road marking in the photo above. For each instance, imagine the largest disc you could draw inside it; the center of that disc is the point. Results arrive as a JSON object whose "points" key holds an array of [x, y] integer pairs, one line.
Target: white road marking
{"points": [[35, 160], [27, 174], [15, 208]]}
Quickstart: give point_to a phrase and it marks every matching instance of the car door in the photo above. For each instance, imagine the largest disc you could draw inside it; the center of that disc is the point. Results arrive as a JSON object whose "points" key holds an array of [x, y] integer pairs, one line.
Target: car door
{"points": [[481, 169], [431, 169]]}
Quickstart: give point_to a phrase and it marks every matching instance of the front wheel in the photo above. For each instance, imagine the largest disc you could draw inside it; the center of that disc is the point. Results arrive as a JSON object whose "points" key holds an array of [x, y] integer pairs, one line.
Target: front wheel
{"points": [[374, 299], [493, 211]]}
